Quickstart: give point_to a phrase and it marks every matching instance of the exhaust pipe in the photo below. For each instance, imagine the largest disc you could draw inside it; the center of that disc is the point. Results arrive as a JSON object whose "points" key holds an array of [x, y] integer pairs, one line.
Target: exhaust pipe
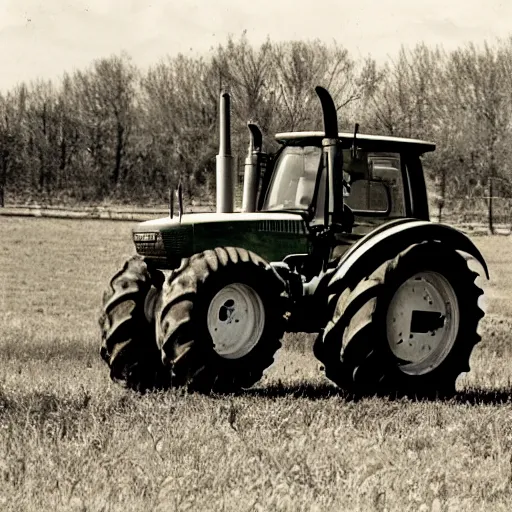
{"points": [[252, 169], [333, 160], [225, 182]]}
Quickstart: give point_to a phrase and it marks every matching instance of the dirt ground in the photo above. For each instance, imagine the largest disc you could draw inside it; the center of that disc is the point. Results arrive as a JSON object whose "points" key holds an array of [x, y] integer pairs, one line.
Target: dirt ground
{"points": [[72, 440]]}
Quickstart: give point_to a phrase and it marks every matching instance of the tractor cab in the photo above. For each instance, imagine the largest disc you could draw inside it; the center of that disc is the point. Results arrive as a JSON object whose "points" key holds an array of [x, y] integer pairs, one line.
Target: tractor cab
{"points": [[382, 177]]}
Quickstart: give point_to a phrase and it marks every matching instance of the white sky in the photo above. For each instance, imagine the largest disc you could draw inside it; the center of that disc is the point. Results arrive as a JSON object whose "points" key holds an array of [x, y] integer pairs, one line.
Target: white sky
{"points": [[44, 38]]}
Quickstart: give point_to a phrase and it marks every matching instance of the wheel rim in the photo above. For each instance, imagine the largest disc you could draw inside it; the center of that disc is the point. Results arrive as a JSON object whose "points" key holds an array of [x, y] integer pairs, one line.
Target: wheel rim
{"points": [[422, 322], [236, 318]]}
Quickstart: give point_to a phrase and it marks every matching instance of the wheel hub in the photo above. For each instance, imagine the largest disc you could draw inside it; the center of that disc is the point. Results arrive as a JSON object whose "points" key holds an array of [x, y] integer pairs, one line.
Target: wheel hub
{"points": [[236, 319], [422, 322]]}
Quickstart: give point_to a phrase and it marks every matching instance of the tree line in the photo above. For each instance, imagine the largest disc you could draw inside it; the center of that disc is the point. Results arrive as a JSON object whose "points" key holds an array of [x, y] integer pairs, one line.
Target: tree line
{"points": [[114, 133]]}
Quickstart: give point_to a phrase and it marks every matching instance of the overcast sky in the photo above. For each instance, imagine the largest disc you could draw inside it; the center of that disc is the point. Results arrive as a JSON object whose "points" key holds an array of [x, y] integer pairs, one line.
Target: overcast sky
{"points": [[44, 38]]}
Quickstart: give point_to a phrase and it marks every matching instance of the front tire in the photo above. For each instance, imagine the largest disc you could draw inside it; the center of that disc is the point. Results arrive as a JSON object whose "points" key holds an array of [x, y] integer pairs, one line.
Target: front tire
{"points": [[128, 336], [408, 328], [221, 320]]}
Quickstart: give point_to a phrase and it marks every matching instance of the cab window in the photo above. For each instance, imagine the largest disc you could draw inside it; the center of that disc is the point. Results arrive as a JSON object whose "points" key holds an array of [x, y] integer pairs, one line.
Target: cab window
{"points": [[376, 184]]}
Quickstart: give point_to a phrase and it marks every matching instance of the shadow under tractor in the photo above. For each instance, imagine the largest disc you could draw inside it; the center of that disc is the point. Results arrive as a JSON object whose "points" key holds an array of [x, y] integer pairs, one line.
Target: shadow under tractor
{"points": [[337, 242]]}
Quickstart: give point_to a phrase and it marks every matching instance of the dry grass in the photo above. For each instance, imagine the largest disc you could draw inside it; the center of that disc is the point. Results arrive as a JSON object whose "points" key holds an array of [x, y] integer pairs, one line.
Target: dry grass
{"points": [[71, 440]]}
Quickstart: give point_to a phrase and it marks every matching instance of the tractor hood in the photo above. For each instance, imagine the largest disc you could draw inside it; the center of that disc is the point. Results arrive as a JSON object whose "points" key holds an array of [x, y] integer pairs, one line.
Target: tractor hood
{"points": [[271, 235]]}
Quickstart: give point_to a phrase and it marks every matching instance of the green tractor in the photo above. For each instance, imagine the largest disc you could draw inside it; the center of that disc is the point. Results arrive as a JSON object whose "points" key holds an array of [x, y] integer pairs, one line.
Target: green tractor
{"points": [[334, 238]]}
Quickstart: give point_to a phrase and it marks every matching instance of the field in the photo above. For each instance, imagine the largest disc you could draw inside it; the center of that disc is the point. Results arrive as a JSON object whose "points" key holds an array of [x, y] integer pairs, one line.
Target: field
{"points": [[72, 440]]}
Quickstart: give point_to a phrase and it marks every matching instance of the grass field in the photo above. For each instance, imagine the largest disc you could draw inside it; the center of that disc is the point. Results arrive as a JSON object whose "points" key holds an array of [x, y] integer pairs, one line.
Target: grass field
{"points": [[72, 440]]}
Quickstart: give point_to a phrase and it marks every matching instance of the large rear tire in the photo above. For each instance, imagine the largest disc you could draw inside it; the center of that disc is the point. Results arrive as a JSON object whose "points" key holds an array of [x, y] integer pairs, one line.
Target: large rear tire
{"points": [[128, 336], [221, 320], [407, 329]]}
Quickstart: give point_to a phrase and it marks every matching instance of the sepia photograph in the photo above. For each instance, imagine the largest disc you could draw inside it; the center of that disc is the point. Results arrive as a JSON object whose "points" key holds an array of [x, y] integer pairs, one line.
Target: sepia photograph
{"points": [[255, 256]]}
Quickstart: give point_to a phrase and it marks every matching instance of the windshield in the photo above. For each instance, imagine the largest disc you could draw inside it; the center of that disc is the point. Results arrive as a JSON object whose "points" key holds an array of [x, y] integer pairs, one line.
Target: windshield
{"points": [[375, 178], [293, 182]]}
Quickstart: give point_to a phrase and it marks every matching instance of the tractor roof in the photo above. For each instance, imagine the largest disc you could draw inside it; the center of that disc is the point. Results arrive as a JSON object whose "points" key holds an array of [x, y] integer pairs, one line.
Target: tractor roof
{"points": [[372, 142]]}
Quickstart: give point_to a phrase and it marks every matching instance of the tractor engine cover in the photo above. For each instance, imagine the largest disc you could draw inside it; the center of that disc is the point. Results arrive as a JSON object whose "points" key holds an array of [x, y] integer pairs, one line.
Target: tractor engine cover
{"points": [[164, 242]]}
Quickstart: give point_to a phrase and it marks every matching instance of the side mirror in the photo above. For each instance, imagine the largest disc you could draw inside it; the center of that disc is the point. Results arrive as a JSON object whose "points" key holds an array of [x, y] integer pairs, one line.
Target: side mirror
{"points": [[385, 173]]}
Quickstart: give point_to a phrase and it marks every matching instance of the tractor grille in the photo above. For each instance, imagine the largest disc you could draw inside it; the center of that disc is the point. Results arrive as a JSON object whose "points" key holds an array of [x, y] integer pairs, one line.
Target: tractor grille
{"points": [[281, 226], [147, 249], [178, 241]]}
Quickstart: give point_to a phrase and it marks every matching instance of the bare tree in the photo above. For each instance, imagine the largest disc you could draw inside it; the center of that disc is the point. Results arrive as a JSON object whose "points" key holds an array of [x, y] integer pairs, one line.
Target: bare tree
{"points": [[299, 67], [180, 108], [106, 97], [406, 94], [481, 78]]}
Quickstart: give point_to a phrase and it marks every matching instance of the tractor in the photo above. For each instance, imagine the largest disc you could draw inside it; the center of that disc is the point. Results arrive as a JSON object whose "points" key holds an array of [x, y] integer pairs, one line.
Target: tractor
{"points": [[334, 238]]}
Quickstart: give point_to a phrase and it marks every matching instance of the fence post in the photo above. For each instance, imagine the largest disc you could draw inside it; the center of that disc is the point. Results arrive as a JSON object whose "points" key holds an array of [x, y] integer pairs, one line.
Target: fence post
{"points": [[440, 206], [509, 217], [490, 212], [3, 180]]}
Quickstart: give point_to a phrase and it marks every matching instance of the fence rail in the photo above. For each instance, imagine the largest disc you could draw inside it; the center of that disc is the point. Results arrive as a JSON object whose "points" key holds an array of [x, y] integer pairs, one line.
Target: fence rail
{"points": [[466, 213], [94, 212], [474, 212]]}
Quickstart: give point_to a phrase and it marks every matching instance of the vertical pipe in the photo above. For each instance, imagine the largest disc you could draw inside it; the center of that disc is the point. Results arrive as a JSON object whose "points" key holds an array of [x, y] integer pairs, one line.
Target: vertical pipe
{"points": [[252, 169], [224, 171], [333, 158], [250, 183]]}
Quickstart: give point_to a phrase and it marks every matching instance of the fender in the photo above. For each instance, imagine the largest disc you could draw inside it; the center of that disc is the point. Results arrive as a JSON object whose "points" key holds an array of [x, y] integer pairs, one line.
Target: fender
{"points": [[393, 237]]}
